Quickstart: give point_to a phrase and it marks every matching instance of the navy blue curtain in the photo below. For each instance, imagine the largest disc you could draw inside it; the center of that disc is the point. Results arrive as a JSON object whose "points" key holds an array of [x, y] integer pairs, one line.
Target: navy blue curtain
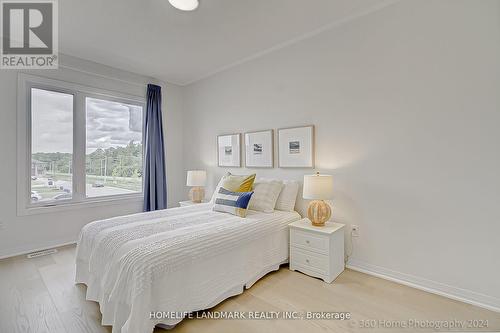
{"points": [[155, 182]]}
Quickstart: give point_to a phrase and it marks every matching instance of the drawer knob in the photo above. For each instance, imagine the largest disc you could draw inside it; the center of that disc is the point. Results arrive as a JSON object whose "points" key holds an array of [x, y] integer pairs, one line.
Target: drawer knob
{"points": [[307, 241], [307, 260]]}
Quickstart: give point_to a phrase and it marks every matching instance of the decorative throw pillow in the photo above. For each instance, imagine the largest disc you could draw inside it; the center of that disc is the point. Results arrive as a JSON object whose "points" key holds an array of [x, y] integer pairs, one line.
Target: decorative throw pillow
{"points": [[235, 203], [288, 196], [219, 185], [234, 183], [237, 183], [265, 195]]}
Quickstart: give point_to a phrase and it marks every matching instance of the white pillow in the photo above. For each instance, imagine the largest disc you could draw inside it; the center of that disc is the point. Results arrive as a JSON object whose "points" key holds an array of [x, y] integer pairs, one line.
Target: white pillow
{"points": [[265, 195], [288, 196]]}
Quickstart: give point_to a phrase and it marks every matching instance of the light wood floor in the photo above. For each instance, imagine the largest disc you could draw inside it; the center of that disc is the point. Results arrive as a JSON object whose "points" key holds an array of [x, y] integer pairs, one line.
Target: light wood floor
{"points": [[38, 295]]}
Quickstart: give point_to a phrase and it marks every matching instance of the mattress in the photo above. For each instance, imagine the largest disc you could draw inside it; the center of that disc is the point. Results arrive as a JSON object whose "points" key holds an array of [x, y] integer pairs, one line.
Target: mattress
{"points": [[177, 260]]}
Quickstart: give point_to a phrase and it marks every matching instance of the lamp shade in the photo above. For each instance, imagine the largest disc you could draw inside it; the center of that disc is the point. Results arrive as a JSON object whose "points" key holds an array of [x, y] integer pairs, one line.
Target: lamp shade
{"points": [[196, 178], [318, 187]]}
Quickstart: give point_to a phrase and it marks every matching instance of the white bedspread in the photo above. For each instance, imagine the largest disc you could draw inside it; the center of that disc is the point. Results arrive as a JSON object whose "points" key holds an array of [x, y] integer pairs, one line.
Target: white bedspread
{"points": [[181, 259]]}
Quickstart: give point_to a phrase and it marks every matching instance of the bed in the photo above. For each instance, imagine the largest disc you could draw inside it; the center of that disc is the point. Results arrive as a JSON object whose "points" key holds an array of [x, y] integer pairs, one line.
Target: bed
{"points": [[177, 260]]}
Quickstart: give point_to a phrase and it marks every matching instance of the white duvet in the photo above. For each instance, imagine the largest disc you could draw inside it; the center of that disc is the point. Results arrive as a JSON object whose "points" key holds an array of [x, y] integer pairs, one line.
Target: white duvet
{"points": [[176, 260]]}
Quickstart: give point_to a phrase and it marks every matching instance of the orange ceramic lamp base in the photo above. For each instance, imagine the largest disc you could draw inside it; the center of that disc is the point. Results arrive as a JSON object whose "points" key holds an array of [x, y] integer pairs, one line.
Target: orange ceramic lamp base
{"points": [[197, 194], [319, 212]]}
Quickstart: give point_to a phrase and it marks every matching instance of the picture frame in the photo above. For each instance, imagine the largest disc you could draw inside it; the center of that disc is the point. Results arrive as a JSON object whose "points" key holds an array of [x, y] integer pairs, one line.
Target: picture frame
{"points": [[296, 147], [259, 149], [229, 150]]}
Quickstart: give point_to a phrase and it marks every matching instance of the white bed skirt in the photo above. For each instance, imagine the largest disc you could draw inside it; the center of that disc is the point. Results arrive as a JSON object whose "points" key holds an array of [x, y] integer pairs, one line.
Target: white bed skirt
{"points": [[199, 284], [234, 291]]}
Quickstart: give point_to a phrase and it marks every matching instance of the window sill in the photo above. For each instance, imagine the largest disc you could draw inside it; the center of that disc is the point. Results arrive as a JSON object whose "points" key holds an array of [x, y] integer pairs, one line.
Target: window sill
{"points": [[88, 203]]}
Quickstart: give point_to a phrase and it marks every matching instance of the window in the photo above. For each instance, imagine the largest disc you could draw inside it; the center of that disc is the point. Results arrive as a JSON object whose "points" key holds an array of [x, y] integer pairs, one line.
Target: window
{"points": [[114, 148], [51, 145], [77, 144]]}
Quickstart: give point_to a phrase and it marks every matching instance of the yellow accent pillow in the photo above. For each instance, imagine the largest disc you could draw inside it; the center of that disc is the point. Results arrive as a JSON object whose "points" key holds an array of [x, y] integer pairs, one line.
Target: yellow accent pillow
{"points": [[237, 183]]}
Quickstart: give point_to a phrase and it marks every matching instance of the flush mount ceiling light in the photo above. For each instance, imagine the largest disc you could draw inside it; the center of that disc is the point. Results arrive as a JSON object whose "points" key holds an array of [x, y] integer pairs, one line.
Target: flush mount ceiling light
{"points": [[186, 5]]}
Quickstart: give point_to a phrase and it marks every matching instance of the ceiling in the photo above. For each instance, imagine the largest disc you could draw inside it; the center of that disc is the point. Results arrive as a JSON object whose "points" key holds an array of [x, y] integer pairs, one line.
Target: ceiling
{"points": [[152, 38]]}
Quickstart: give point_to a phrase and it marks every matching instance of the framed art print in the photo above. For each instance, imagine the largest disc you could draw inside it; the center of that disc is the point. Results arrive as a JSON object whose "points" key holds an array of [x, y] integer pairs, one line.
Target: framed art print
{"points": [[259, 149], [228, 150], [296, 147]]}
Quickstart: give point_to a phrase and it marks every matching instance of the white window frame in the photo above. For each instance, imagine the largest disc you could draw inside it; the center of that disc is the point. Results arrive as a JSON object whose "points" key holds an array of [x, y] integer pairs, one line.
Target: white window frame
{"points": [[80, 93]]}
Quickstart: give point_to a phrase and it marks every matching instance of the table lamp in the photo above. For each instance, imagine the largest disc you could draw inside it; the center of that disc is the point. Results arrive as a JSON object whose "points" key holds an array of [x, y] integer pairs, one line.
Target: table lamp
{"points": [[318, 188], [197, 180]]}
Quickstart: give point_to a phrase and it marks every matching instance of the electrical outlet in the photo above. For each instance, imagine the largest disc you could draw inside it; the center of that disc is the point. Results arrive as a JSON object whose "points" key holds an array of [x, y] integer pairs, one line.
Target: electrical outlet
{"points": [[355, 230]]}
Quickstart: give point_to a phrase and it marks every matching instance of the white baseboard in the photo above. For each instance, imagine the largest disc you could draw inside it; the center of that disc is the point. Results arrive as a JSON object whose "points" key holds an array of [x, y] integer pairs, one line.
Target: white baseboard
{"points": [[459, 294], [22, 251]]}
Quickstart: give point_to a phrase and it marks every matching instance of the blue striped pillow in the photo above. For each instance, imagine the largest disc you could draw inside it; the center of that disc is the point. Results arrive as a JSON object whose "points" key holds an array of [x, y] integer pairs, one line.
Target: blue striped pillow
{"points": [[235, 203]]}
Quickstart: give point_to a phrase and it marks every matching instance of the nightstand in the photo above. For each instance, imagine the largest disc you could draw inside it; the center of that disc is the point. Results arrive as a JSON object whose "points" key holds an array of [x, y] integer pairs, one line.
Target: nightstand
{"points": [[189, 203], [317, 251]]}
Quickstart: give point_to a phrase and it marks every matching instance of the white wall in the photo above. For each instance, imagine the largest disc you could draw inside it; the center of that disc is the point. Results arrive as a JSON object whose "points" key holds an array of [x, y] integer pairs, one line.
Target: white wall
{"points": [[406, 103], [25, 233]]}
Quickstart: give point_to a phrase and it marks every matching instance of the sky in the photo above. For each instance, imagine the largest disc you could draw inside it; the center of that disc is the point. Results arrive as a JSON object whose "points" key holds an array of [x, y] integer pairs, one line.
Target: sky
{"points": [[109, 124]]}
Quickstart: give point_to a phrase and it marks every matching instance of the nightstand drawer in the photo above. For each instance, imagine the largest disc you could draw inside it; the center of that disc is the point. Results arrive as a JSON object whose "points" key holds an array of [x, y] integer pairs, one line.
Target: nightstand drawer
{"points": [[310, 260], [309, 241], [317, 251]]}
